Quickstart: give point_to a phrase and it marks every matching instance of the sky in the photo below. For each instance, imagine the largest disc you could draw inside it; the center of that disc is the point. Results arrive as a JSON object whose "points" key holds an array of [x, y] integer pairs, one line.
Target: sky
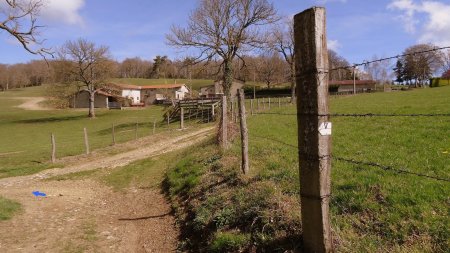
{"points": [[357, 29]]}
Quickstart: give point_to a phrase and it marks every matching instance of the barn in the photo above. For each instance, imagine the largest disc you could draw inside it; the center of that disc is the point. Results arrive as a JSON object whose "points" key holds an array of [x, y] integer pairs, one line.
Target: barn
{"points": [[102, 99], [348, 85]]}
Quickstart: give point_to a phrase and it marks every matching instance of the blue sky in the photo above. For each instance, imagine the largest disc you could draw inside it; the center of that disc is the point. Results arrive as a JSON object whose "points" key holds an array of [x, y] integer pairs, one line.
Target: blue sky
{"points": [[357, 29]]}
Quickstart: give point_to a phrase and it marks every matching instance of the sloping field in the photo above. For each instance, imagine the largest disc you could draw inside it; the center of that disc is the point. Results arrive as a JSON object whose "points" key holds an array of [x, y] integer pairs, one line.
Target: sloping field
{"points": [[373, 209]]}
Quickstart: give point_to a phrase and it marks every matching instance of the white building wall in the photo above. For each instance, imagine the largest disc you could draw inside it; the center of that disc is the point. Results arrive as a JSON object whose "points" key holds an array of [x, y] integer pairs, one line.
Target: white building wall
{"points": [[135, 95]]}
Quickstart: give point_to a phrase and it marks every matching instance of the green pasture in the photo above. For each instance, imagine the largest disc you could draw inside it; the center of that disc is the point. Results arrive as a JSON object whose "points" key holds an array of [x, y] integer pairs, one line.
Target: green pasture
{"points": [[372, 210], [8, 208], [25, 136]]}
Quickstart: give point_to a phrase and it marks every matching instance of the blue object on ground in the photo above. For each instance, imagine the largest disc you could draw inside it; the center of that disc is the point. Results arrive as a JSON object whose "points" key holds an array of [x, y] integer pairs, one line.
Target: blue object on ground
{"points": [[39, 194]]}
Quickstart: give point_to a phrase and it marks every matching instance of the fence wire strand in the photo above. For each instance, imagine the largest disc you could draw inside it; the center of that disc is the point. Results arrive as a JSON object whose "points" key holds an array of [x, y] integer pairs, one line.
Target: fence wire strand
{"points": [[363, 163]]}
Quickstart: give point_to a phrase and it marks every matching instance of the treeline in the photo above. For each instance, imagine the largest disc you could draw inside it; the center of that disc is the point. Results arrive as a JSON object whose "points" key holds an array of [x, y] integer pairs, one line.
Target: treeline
{"points": [[268, 68], [420, 63]]}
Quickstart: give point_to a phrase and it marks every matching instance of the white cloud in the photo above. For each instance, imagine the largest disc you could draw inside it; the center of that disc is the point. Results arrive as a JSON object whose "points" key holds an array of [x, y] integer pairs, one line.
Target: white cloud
{"points": [[334, 45], [436, 27], [66, 11]]}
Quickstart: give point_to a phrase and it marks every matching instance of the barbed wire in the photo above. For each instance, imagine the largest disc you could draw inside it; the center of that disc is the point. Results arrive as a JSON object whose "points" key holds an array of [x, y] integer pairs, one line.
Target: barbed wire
{"points": [[359, 114], [389, 168], [389, 58], [355, 162]]}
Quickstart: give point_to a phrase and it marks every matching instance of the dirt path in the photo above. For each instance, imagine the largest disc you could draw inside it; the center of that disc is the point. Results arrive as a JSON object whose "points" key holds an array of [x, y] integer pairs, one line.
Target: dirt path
{"points": [[31, 103], [118, 160], [87, 216]]}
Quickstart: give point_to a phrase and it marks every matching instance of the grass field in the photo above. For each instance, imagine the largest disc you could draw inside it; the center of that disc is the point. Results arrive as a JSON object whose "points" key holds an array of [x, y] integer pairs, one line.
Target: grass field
{"points": [[25, 145], [372, 210], [8, 208]]}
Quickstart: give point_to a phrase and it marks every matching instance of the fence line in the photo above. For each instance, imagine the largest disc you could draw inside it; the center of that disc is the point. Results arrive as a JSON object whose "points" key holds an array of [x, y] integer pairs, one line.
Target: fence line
{"points": [[361, 115], [356, 162]]}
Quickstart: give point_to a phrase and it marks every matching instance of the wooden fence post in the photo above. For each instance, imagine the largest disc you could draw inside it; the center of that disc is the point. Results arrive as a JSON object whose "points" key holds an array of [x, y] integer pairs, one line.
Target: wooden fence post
{"points": [[136, 131], [86, 141], [224, 126], [244, 131], [257, 104], [251, 106], [154, 126], [53, 148], [207, 113], [264, 104], [168, 120], [314, 128], [113, 134], [279, 102], [232, 110], [182, 119], [269, 103]]}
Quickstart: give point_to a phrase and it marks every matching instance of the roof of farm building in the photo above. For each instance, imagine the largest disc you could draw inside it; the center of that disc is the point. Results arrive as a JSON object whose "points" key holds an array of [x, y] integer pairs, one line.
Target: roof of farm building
{"points": [[149, 87]]}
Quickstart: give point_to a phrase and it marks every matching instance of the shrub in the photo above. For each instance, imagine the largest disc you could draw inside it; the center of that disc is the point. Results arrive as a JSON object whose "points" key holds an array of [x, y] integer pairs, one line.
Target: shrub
{"points": [[229, 242]]}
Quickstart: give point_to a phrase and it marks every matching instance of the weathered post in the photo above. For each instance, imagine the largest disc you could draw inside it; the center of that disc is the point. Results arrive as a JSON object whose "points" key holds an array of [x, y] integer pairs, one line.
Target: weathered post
{"points": [[279, 102], [257, 104], [236, 114], [53, 148], [113, 134], [136, 131], [354, 80], [269, 103], [224, 126], [168, 120], [86, 141], [154, 126], [182, 119], [251, 106], [314, 128], [264, 104], [244, 131], [213, 113], [232, 110]]}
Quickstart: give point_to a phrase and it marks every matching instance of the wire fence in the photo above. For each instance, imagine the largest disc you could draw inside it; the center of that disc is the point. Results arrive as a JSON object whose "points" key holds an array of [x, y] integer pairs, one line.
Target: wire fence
{"points": [[73, 142], [264, 110]]}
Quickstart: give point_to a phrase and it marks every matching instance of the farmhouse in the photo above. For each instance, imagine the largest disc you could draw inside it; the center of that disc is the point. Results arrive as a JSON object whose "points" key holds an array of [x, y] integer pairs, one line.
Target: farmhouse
{"points": [[216, 89], [347, 85], [152, 94], [103, 99]]}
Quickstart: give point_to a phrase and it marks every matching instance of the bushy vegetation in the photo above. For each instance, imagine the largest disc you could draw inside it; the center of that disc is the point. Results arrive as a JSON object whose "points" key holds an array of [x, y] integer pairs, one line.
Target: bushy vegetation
{"points": [[439, 82], [372, 210]]}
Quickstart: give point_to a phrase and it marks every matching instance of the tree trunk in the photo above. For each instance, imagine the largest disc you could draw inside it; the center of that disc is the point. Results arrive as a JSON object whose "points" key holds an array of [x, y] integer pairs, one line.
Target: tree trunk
{"points": [[227, 78], [91, 104]]}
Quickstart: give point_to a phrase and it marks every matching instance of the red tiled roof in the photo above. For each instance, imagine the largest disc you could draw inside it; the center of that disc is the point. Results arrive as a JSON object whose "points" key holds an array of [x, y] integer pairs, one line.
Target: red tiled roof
{"points": [[149, 87], [350, 82]]}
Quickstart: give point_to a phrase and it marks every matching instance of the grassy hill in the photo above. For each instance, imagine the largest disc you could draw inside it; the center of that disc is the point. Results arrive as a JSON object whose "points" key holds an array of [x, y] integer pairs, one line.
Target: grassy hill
{"points": [[372, 210]]}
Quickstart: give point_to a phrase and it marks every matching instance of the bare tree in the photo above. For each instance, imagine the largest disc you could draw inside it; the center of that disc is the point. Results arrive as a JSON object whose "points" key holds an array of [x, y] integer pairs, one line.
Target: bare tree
{"points": [[19, 19], [87, 65], [420, 63], [224, 29], [283, 42], [336, 61], [446, 61], [135, 68], [270, 69]]}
